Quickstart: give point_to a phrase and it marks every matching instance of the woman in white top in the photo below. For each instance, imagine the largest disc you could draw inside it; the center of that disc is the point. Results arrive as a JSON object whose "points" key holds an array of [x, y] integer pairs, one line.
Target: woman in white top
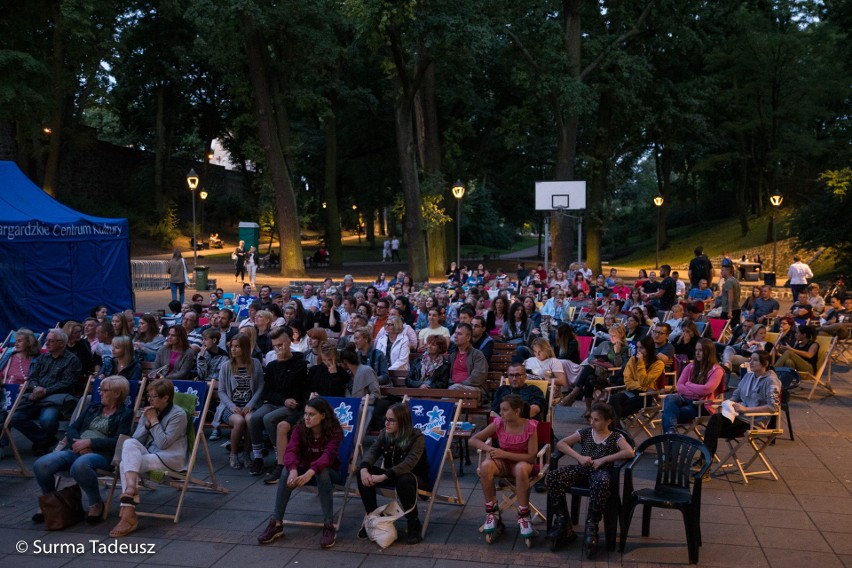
{"points": [[544, 364], [394, 344], [434, 328], [251, 265]]}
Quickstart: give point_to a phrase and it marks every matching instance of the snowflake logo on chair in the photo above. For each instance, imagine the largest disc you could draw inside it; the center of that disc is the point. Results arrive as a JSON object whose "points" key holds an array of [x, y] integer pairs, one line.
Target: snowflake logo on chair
{"points": [[344, 416], [434, 427], [7, 400]]}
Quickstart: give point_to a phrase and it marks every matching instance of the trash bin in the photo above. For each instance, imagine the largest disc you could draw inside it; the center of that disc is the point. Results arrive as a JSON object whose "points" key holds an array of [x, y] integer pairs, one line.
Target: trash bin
{"points": [[201, 273], [769, 278]]}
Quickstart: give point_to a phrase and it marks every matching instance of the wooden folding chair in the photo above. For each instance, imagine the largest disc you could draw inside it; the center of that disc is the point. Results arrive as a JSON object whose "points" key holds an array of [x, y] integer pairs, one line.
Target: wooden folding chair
{"points": [[12, 397], [352, 415], [759, 437], [194, 397], [826, 346], [586, 343], [718, 328]]}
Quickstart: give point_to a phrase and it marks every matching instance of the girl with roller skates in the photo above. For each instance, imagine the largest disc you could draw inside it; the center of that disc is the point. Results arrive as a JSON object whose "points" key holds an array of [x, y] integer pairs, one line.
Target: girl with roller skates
{"points": [[599, 448], [514, 458]]}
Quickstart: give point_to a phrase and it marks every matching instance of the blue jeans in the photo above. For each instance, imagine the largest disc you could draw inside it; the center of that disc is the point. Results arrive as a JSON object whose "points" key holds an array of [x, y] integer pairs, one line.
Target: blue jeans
{"points": [[677, 409], [325, 491], [177, 288], [83, 470], [48, 422]]}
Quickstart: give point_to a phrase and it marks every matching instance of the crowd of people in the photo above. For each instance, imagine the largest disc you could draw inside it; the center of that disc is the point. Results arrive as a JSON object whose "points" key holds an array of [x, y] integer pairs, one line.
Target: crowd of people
{"points": [[277, 354]]}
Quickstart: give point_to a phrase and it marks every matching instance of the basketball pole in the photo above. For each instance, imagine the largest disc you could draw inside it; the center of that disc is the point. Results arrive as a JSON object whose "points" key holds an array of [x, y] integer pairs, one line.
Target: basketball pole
{"points": [[546, 239]]}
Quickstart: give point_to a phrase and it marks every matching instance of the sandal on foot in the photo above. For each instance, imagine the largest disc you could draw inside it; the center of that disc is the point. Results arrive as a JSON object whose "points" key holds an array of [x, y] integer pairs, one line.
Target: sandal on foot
{"points": [[123, 528]]}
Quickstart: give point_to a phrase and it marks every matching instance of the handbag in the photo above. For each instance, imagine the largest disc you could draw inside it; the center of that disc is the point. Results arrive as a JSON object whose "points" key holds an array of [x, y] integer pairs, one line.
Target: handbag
{"points": [[234, 255], [380, 523], [185, 273], [62, 508]]}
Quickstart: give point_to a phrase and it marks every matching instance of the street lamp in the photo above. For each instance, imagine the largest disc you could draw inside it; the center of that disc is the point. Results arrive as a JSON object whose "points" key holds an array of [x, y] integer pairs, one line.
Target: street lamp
{"points": [[458, 193], [203, 195], [775, 199], [192, 182], [658, 201]]}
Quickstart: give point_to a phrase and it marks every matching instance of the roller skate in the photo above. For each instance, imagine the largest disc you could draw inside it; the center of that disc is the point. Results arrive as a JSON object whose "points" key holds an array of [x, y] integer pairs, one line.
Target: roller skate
{"points": [[525, 526], [561, 531], [590, 542], [493, 526]]}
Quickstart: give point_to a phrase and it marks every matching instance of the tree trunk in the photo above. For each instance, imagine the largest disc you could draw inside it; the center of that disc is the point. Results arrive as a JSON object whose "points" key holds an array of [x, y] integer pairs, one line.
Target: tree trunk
{"points": [[55, 123], [332, 213], [292, 263], [160, 152], [440, 241], [410, 188]]}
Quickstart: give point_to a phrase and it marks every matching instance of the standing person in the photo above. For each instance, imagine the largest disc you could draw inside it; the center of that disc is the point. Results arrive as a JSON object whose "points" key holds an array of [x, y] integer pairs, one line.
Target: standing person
{"points": [[600, 446], [700, 267], [386, 251], [395, 249], [251, 265], [312, 453], [401, 448], [177, 275], [798, 275], [239, 258], [730, 296]]}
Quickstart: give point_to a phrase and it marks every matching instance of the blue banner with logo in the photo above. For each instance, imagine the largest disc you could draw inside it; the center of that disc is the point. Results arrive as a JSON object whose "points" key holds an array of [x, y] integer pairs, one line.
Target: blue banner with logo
{"points": [[433, 418]]}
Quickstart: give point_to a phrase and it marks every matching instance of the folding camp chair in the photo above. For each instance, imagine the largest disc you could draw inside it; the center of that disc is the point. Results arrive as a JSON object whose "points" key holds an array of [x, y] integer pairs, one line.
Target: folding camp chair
{"points": [[508, 492], [826, 346], [759, 438], [12, 397], [702, 327], [437, 419], [194, 397], [586, 343], [352, 415], [718, 328]]}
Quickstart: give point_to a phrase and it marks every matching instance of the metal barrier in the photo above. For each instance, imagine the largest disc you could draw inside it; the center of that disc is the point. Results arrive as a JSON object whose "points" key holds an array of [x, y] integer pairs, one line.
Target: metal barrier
{"points": [[149, 274]]}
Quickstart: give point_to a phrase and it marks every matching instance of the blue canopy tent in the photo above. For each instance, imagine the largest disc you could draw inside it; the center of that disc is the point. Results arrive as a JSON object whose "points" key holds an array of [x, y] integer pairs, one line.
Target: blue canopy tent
{"points": [[56, 263]]}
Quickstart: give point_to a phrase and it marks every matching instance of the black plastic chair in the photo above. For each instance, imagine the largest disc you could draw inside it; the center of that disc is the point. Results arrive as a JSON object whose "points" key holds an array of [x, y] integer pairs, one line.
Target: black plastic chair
{"points": [[675, 454], [613, 506], [789, 382]]}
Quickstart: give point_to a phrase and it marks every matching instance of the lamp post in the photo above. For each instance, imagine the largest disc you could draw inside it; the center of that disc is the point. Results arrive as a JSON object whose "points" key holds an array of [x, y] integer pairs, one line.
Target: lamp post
{"points": [[203, 195], [775, 199], [192, 182], [458, 193], [658, 201]]}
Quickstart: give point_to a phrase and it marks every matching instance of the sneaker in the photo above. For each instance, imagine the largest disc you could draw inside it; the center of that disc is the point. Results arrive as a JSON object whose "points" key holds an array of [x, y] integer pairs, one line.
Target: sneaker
{"points": [[215, 435], [235, 462], [525, 525], [256, 466], [328, 537], [274, 530], [226, 444], [274, 476]]}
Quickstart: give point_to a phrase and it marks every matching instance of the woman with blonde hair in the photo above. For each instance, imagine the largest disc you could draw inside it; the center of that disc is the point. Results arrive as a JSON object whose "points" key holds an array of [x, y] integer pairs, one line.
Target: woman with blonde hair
{"points": [[544, 363], [122, 363], [17, 368]]}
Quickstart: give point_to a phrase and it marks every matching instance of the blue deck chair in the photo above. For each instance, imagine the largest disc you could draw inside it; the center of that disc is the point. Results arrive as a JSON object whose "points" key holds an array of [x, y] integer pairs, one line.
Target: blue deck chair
{"points": [[10, 397], [437, 420], [352, 415]]}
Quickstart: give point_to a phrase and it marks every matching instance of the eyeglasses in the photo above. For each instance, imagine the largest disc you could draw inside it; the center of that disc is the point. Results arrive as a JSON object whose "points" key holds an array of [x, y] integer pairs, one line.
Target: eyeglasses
{"points": [[390, 420], [657, 332]]}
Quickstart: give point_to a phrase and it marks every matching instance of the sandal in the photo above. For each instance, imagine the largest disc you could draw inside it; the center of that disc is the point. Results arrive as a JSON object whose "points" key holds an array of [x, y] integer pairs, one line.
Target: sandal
{"points": [[123, 528]]}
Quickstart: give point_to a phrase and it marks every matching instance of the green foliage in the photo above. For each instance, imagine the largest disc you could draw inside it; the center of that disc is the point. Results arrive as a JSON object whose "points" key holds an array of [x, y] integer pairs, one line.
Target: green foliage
{"points": [[165, 231], [824, 219], [433, 214]]}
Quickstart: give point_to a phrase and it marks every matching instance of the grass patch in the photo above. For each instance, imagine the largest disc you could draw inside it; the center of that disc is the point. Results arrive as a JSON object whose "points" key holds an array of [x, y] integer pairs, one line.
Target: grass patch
{"points": [[721, 237]]}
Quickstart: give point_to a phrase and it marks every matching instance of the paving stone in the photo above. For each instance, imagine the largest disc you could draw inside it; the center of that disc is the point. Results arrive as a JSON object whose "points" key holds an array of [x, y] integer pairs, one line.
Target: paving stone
{"points": [[786, 558]]}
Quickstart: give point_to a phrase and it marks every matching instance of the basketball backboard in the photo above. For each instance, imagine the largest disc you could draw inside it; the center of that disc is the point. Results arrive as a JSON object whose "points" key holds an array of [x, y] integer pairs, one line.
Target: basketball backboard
{"points": [[560, 195]]}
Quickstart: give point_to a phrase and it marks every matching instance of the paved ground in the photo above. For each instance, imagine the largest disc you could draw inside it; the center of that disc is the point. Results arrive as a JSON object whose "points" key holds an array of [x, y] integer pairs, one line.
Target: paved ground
{"points": [[805, 519]]}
